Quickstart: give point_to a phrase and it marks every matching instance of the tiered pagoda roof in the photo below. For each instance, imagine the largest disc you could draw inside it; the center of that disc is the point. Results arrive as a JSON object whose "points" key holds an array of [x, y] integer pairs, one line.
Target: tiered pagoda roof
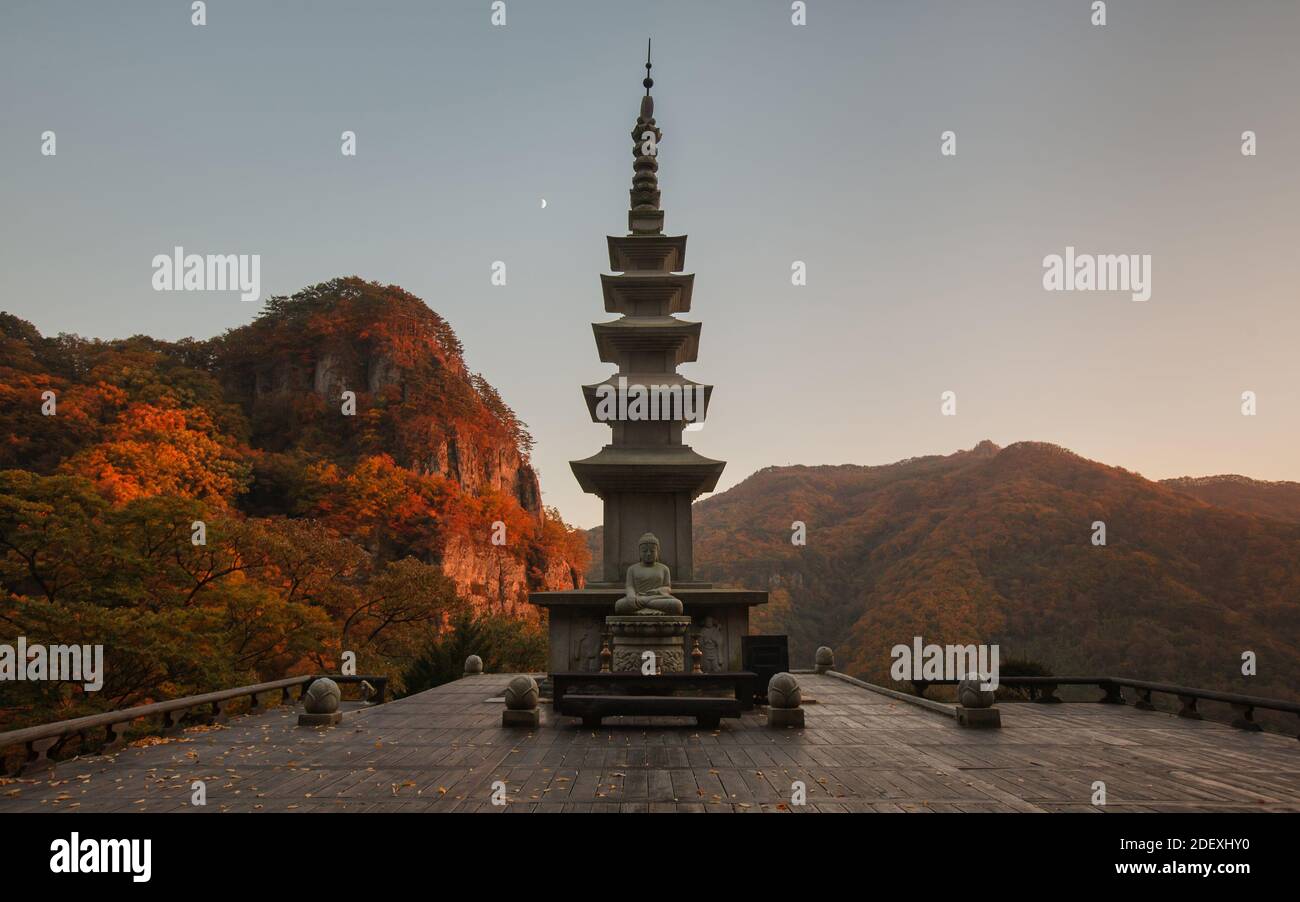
{"points": [[647, 343]]}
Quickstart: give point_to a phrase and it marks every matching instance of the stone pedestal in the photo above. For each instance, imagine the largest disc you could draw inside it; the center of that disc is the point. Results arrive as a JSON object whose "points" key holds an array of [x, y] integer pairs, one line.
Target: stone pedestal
{"points": [[662, 634], [979, 718], [529, 718], [576, 621], [785, 717], [320, 720]]}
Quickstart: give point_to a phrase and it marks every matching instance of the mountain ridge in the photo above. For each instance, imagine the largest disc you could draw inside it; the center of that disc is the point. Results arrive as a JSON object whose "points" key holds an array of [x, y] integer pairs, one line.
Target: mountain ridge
{"points": [[1278, 499]]}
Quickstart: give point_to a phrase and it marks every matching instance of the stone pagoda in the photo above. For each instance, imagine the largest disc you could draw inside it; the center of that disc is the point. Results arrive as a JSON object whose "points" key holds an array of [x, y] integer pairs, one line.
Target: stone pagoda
{"points": [[647, 477]]}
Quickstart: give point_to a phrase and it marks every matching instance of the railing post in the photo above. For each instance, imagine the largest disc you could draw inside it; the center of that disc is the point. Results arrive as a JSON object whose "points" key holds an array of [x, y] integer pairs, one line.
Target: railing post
{"points": [[286, 695], [1044, 693], [37, 757], [114, 736], [172, 721], [919, 687], [1144, 700], [1245, 719], [1188, 708], [1114, 693]]}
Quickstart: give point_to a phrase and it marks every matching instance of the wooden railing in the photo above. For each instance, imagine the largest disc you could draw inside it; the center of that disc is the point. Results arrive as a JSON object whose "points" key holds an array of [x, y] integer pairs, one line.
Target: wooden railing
{"points": [[42, 743], [1043, 689]]}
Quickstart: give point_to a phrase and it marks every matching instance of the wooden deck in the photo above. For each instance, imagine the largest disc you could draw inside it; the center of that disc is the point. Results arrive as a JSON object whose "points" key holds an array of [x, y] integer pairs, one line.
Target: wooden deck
{"points": [[442, 750]]}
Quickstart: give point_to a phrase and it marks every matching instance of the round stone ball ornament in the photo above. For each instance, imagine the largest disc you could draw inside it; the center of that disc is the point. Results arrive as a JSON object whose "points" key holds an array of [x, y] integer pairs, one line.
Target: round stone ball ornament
{"points": [[323, 697], [522, 694], [970, 695], [783, 691], [824, 660]]}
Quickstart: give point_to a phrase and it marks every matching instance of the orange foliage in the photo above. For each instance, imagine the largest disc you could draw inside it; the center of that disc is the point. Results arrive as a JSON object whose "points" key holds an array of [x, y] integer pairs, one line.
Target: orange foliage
{"points": [[150, 450]]}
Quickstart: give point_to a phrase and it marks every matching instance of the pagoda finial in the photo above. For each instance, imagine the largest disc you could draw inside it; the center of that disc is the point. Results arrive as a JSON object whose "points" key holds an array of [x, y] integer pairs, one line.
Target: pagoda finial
{"points": [[645, 216], [649, 82]]}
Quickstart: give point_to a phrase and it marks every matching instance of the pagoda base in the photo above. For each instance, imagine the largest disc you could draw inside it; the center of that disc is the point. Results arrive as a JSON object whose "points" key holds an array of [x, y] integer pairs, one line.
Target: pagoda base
{"points": [[577, 622]]}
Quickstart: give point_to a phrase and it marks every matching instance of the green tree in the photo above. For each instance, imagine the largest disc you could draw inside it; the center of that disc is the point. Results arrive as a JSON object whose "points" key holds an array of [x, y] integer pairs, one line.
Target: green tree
{"points": [[506, 645]]}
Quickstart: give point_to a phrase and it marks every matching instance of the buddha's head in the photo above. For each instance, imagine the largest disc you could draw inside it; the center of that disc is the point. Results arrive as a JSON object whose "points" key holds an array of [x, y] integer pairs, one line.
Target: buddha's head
{"points": [[648, 547]]}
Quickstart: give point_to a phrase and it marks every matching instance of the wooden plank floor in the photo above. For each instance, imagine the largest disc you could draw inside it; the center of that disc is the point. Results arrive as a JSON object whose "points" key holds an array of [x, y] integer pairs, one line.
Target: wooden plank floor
{"points": [[444, 749]]}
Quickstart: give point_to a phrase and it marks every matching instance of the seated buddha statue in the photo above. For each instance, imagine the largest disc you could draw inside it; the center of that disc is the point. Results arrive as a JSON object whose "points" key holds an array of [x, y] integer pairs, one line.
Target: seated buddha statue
{"points": [[649, 583]]}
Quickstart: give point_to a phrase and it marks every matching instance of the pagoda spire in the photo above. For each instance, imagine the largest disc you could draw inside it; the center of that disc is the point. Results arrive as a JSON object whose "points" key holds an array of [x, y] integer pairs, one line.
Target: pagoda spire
{"points": [[645, 216], [647, 476]]}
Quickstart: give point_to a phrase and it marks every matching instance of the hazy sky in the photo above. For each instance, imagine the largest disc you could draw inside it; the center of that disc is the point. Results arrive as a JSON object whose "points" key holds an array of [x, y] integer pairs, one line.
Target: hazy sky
{"points": [[818, 143]]}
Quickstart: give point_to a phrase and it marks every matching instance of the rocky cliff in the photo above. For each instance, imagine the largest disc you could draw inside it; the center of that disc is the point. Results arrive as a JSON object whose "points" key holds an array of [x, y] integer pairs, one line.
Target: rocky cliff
{"points": [[414, 401]]}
